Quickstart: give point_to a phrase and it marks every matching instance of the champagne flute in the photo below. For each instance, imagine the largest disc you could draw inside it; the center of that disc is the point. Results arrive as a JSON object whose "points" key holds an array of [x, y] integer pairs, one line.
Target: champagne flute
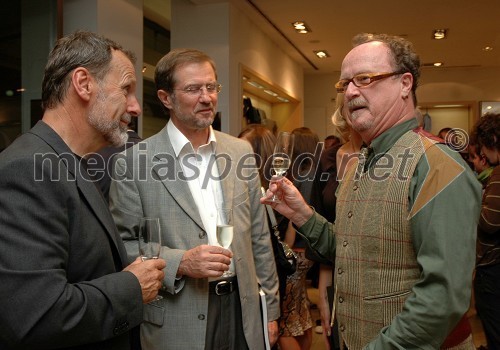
{"points": [[150, 240], [282, 157], [225, 231]]}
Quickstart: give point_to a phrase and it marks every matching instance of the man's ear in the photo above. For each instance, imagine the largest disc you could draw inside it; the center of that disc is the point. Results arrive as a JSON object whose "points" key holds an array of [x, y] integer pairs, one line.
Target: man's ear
{"points": [[406, 84], [165, 98], [82, 83]]}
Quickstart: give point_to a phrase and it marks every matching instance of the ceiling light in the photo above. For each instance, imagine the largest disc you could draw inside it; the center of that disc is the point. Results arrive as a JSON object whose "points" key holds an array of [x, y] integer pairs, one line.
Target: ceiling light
{"points": [[269, 92], [321, 53], [488, 48], [282, 99], [254, 84], [438, 64], [301, 27], [439, 34]]}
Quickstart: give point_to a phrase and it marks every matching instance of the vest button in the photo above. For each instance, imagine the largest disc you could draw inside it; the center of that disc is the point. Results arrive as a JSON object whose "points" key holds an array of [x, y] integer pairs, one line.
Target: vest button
{"points": [[341, 300], [342, 328], [355, 188], [340, 271], [201, 317], [202, 234], [344, 244], [349, 214]]}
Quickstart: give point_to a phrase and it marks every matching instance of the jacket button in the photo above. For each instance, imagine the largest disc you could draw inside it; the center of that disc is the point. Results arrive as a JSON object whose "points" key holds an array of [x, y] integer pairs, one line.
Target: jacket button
{"points": [[202, 234], [341, 300], [355, 188], [345, 243], [201, 317], [349, 214], [342, 328], [121, 328], [340, 271]]}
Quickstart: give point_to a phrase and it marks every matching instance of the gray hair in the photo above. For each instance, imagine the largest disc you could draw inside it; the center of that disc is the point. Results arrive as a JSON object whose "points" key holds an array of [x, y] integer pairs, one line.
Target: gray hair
{"points": [[80, 49]]}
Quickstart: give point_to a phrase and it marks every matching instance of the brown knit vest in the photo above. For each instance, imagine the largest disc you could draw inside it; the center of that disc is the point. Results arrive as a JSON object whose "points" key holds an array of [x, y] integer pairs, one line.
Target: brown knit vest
{"points": [[376, 264]]}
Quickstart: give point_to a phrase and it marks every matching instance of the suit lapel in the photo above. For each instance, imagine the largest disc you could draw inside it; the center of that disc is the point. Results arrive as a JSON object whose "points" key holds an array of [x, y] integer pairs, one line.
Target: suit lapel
{"points": [[226, 170], [85, 184], [162, 151]]}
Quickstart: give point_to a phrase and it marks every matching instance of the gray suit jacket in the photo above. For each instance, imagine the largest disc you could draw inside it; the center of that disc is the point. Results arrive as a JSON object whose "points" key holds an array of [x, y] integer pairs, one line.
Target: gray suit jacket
{"points": [[150, 186], [60, 253]]}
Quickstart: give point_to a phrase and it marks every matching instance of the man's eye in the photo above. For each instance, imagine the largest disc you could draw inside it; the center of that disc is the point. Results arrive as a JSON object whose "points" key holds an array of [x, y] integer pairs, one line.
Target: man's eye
{"points": [[363, 79], [192, 88]]}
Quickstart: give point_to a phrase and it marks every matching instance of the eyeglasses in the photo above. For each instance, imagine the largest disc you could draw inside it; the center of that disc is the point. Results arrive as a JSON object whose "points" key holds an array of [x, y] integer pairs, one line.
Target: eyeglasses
{"points": [[196, 89], [362, 80]]}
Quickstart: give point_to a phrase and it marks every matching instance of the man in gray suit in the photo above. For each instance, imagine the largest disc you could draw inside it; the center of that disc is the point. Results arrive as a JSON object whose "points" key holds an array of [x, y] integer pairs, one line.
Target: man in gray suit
{"points": [[64, 277], [181, 175]]}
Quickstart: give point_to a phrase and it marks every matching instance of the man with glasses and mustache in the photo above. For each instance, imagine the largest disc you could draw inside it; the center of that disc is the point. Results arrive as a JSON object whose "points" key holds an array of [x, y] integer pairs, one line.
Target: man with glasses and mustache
{"points": [[64, 271], [189, 170], [404, 236]]}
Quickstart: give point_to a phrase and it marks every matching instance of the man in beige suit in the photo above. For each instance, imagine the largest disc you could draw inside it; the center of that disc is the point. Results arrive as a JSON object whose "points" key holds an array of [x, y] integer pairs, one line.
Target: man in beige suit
{"points": [[404, 235], [181, 175]]}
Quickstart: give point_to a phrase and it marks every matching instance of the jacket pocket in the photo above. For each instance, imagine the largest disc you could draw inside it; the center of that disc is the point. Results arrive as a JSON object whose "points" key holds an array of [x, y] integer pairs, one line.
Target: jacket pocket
{"points": [[154, 313], [392, 295]]}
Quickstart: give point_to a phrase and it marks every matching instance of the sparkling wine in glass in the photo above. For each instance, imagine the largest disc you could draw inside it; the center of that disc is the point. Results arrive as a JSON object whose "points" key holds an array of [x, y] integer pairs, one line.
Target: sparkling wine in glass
{"points": [[150, 240], [282, 157], [225, 230]]}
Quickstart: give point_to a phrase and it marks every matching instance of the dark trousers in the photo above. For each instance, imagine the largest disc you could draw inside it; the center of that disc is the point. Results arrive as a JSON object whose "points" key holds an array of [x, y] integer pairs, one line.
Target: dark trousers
{"points": [[487, 298], [224, 323]]}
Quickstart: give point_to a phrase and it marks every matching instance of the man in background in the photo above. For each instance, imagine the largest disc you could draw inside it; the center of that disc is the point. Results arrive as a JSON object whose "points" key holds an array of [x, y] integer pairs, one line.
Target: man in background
{"points": [[487, 278]]}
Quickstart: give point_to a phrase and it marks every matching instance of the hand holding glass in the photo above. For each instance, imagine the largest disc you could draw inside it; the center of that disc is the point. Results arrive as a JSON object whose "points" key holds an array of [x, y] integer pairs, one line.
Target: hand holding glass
{"points": [[282, 157], [150, 240], [225, 230]]}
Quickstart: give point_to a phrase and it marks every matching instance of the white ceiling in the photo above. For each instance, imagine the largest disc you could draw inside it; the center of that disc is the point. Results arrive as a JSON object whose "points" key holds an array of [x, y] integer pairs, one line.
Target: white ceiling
{"points": [[472, 25]]}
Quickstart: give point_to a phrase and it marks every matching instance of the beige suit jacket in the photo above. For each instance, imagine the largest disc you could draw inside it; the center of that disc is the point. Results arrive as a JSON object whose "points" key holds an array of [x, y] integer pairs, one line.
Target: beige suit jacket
{"points": [[150, 186]]}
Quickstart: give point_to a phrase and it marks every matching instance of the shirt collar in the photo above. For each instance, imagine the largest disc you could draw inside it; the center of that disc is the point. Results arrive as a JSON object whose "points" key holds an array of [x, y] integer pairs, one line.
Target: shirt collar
{"points": [[180, 142]]}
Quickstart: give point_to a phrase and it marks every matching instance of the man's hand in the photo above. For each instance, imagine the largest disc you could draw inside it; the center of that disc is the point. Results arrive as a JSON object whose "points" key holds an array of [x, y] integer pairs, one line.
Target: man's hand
{"points": [[272, 328], [292, 204], [205, 261], [150, 275]]}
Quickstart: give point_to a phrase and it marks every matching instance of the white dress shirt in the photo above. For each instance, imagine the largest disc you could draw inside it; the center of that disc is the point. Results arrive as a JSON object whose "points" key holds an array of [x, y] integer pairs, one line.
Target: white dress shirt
{"points": [[200, 170]]}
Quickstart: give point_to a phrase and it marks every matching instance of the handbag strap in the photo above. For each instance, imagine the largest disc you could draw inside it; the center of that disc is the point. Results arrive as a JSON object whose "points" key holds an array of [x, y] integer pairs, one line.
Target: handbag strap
{"points": [[272, 217]]}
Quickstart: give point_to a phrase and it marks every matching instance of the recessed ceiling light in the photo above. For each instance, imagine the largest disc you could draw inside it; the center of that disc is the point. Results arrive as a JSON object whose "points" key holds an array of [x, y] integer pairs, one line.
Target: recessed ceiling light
{"points": [[301, 27], [438, 64], [254, 84], [269, 92], [488, 48], [439, 34], [322, 53]]}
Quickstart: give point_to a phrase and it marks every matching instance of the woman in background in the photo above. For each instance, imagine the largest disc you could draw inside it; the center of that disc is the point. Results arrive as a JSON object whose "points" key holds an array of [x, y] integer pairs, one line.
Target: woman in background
{"points": [[263, 141], [295, 326]]}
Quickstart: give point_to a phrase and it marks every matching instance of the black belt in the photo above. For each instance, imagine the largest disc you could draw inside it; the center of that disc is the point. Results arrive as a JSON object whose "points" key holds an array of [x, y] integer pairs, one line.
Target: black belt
{"points": [[223, 287]]}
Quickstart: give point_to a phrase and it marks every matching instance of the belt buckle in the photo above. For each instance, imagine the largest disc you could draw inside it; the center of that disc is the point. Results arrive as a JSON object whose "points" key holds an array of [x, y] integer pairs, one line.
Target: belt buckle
{"points": [[223, 287]]}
